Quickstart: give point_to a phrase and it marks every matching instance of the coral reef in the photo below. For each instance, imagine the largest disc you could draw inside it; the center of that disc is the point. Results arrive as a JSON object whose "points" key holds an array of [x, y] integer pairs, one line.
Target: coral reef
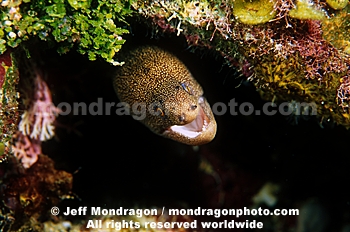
{"points": [[292, 48], [8, 103], [337, 4], [26, 150], [294, 51], [254, 12], [241, 31], [336, 30], [300, 66], [254, 32], [29, 194], [37, 121], [307, 10]]}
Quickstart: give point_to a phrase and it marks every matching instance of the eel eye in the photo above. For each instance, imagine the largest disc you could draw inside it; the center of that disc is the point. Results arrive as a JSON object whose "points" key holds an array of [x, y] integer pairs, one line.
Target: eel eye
{"points": [[159, 111], [187, 88]]}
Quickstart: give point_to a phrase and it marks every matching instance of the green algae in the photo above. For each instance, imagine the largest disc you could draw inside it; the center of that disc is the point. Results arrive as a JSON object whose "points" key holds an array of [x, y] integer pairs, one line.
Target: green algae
{"points": [[96, 28]]}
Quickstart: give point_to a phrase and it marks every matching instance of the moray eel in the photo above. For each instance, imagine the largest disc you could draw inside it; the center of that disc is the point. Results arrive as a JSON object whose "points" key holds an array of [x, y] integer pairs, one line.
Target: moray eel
{"points": [[156, 83]]}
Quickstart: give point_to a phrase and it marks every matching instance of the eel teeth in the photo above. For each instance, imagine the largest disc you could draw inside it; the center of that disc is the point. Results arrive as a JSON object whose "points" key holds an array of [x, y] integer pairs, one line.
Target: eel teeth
{"points": [[194, 128]]}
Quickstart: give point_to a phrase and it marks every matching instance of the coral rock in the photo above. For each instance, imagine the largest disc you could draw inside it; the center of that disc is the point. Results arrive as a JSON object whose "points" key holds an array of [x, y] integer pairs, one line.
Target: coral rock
{"points": [[254, 12], [337, 4], [306, 9], [30, 195]]}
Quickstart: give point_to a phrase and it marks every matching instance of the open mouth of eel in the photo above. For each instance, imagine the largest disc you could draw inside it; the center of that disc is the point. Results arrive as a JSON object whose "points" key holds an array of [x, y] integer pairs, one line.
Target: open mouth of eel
{"points": [[194, 128]]}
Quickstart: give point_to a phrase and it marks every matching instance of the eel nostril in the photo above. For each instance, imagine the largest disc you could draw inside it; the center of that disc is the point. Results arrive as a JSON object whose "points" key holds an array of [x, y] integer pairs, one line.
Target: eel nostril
{"points": [[193, 107]]}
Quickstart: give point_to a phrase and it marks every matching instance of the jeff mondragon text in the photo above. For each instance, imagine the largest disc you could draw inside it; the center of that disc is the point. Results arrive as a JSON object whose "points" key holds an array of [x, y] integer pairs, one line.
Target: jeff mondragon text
{"points": [[217, 213]]}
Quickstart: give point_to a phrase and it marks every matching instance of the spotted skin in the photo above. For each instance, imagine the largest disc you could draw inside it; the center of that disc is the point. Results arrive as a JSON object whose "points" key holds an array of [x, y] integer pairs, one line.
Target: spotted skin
{"points": [[159, 82]]}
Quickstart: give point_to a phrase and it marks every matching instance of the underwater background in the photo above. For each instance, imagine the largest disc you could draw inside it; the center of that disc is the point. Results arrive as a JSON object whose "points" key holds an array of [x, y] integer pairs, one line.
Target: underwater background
{"points": [[274, 162]]}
